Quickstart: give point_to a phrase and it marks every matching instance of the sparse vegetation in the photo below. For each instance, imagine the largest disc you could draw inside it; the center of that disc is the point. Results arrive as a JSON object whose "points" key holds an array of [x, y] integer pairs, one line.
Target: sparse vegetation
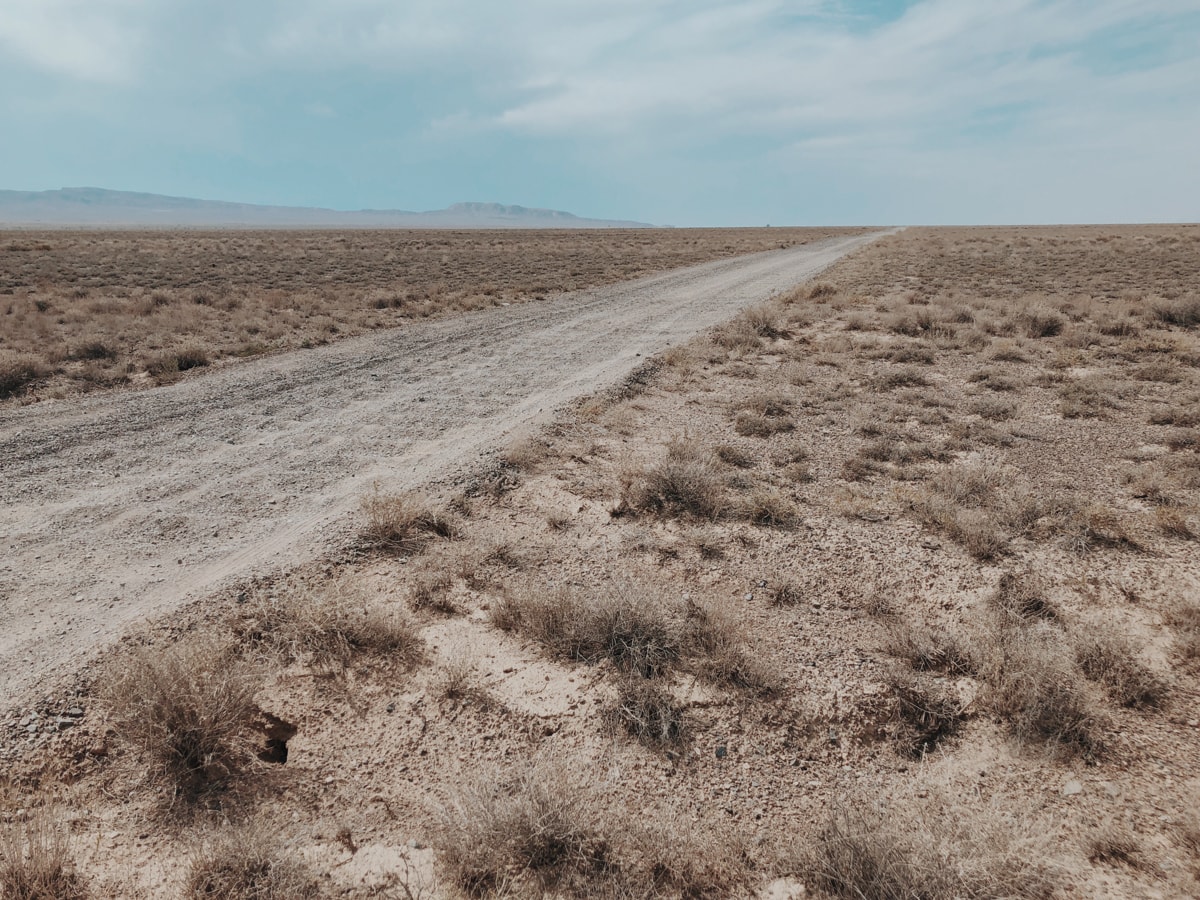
{"points": [[248, 863], [866, 855], [328, 626], [402, 523], [35, 862], [533, 828], [189, 712]]}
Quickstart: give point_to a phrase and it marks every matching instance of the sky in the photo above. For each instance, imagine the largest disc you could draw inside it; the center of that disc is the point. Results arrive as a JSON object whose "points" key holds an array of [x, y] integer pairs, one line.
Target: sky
{"points": [[675, 112]]}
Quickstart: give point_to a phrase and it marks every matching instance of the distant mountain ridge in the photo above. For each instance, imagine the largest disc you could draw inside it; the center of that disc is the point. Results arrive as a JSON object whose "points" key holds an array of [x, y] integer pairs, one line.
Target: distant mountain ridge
{"points": [[89, 206]]}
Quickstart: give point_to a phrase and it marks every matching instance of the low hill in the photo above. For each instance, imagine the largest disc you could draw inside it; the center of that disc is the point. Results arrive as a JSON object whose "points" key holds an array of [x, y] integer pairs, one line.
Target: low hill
{"points": [[88, 206]]}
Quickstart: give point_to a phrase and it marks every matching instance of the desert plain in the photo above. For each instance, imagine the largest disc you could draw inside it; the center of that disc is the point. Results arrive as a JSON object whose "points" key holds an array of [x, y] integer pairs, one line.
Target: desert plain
{"points": [[886, 585]]}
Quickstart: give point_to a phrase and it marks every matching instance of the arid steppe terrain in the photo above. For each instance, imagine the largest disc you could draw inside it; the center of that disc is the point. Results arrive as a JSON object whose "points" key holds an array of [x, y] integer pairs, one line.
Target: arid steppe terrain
{"points": [[89, 309], [886, 587]]}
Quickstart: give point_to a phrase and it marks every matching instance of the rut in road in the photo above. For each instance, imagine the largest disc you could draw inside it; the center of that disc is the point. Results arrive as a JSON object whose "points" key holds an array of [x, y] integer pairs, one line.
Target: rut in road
{"points": [[121, 507]]}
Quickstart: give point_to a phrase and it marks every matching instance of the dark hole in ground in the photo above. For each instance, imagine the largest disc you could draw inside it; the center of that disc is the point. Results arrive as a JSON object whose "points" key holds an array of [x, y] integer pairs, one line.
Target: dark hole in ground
{"points": [[276, 733]]}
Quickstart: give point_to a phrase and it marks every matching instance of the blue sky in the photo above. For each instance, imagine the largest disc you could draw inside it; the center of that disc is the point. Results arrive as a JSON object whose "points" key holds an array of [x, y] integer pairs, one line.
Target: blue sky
{"points": [[672, 112]]}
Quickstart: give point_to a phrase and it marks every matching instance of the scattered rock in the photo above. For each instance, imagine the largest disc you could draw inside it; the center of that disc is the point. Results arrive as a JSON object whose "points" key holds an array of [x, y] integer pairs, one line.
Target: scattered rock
{"points": [[1071, 788]]}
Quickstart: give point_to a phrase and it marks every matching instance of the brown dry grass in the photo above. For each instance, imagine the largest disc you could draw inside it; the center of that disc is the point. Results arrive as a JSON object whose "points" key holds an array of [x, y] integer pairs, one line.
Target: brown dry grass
{"points": [[88, 309], [248, 863], [188, 711], [35, 862]]}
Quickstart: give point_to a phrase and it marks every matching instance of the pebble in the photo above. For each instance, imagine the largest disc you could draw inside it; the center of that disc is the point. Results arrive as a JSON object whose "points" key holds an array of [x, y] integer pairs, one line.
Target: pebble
{"points": [[1071, 788]]}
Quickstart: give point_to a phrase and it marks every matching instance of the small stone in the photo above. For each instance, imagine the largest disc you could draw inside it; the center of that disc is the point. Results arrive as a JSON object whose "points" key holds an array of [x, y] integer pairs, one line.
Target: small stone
{"points": [[721, 752], [391, 707], [75, 712], [1071, 788]]}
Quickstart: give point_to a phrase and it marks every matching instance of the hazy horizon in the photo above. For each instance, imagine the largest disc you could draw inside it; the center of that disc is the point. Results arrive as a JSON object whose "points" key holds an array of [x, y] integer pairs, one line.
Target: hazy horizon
{"points": [[710, 113]]}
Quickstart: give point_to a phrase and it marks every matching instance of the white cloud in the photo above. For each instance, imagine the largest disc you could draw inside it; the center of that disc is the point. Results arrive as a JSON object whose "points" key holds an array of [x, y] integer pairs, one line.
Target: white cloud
{"points": [[92, 40]]}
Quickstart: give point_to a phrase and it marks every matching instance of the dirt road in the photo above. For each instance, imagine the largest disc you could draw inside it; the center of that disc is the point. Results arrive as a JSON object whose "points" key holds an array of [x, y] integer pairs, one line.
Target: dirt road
{"points": [[117, 508]]}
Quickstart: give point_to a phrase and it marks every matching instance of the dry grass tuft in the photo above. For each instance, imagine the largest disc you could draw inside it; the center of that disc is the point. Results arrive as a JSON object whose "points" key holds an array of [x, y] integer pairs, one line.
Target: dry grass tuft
{"points": [[35, 863], [1095, 527], [327, 626], [17, 372], [402, 523], [929, 649], [1023, 597], [768, 507], [525, 832], [648, 711], [1115, 844], [687, 482], [1113, 661], [929, 711], [189, 710], [1184, 312], [1184, 617], [719, 652], [248, 863], [431, 591], [936, 856], [621, 623], [1034, 686]]}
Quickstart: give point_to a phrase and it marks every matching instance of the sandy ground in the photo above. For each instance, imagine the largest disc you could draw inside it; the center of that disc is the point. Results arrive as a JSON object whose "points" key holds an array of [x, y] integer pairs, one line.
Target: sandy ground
{"points": [[121, 507]]}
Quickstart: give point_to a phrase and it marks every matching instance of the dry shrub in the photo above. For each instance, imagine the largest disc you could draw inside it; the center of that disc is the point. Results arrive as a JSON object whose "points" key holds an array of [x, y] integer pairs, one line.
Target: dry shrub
{"points": [[1041, 323], [752, 424], [929, 712], [977, 530], [785, 593], [687, 482], [1184, 617], [897, 378], [527, 831], [934, 853], [718, 651], [910, 354], [173, 362], [524, 455], [930, 649], [994, 380], [993, 409], [1023, 597], [768, 507], [1116, 844], [1086, 398], [35, 862], [822, 291], [1184, 439], [402, 523], [328, 625], [189, 710], [1184, 312], [648, 711], [1008, 351], [692, 862], [431, 591], [734, 456], [1096, 526], [763, 319], [17, 372], [1184, 415], [737, 336], [1166, 371], [1173, 523], [622, 623], [1112, 660], [1034, 686], [247, 863]]}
